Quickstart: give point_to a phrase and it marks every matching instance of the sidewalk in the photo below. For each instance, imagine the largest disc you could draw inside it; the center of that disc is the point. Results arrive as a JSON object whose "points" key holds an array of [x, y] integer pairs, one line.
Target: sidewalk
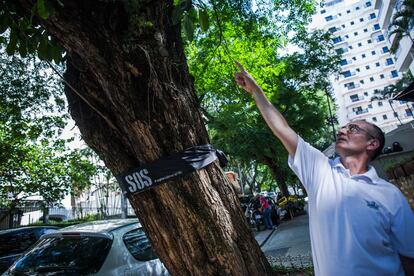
{"points": [[290, 239], [263, 236]]}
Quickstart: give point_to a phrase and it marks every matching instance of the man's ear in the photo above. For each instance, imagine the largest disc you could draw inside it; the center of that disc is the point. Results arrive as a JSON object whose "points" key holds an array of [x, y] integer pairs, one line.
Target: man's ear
{"points": [[373, 144]]}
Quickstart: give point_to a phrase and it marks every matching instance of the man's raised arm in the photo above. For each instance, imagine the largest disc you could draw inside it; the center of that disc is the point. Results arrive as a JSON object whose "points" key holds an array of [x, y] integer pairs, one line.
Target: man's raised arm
{"points": [[272, 116]]}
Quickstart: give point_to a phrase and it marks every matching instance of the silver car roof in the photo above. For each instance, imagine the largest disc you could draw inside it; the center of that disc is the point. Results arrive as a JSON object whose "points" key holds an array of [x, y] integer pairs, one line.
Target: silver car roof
{"points": [[100, 226], [99, 229]]}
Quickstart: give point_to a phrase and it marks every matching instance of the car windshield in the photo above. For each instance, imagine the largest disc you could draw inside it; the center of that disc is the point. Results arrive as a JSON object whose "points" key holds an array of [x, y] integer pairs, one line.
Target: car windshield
{"points": [[64, 256]]}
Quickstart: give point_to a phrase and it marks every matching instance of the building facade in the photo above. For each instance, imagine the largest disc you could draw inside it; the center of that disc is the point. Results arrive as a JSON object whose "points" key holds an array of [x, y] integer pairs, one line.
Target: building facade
{"points": [[366, 66], [404, 55]]}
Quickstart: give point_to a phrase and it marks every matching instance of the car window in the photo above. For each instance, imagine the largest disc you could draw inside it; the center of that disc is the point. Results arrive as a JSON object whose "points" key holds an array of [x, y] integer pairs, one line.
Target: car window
{"points": [[17, 241], [138, 245], [69, 255]]}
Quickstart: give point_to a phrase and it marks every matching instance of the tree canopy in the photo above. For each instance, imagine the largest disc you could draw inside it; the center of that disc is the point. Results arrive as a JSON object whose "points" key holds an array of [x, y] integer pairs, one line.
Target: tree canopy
{"points": [[35, 160]]}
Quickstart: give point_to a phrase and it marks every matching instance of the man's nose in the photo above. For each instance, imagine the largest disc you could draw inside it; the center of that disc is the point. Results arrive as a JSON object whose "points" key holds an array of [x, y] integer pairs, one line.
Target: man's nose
{"points": [[342, 131]]}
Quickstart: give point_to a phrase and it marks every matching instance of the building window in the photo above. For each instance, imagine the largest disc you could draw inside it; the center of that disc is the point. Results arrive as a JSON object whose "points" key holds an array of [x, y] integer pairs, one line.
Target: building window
{"points": [[368, 4], [350, 47], [377, 64], [343, 62], [365, 93], [367, 67], [333, 29], [363, 56], [323, 11], [354, 58], [350, 85], [385, 49], [340, 51], [371, 79], [359, 44], [376, 27], [339, 14], [373, 53], [346, 36], [389, 61], [382, 76], [385, 117], [369, 41], [394, 74], [372, 16], [346, 74], [354, 98], [348, 11], [365, 30], [380, 38], [357, 8], [343, 26], [379, 103], [361, 81], [374, 119], [370, 106], [352, 23], [358, 70], [408, 112], [361, 20], [355, 33], [329, 18], [337, 39]]}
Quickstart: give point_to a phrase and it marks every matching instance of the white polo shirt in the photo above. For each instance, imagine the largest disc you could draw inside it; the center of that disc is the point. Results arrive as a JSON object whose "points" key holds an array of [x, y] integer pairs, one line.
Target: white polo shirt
{"points": [[358, 224]]}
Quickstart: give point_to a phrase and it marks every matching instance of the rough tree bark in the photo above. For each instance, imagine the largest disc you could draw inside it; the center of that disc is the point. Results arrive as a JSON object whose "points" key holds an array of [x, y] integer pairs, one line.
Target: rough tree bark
{"points": [[138, 104]]}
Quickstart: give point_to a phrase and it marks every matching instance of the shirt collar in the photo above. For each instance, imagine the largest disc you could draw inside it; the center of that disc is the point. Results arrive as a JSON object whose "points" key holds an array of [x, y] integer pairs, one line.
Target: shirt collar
{"points": [[369, 176]]}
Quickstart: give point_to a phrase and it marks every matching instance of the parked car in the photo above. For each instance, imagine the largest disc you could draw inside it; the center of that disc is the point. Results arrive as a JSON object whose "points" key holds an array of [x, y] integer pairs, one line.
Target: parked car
{"points": [[14, 242], [111, 247]]}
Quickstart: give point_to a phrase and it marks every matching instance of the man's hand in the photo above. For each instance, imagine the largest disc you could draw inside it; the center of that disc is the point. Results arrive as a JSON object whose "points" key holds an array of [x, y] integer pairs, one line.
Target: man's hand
{"points": [[244, 80], [272, 116]]}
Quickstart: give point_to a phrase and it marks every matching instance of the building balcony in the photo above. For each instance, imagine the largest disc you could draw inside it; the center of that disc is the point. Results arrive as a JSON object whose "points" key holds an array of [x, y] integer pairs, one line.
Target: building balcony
{"points": [[362, 111], [353, 87], [360, 98]]}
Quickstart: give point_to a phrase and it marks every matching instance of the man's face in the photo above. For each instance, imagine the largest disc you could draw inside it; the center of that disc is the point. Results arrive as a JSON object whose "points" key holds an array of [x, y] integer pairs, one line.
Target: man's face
{"points": [[355, 138]]}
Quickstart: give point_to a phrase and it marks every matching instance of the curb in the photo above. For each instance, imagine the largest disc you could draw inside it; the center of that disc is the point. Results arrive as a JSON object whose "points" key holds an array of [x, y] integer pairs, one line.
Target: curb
{"points": [[267, 238]]}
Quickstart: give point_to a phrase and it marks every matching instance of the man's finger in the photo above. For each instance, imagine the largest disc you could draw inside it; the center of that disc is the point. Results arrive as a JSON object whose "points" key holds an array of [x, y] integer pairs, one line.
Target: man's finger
{"points": [[240, 66]]}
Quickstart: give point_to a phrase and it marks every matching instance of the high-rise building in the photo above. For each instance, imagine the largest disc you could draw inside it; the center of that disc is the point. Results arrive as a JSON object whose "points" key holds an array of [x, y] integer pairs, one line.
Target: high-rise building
{"points": [[404, 55], [366, 65]]}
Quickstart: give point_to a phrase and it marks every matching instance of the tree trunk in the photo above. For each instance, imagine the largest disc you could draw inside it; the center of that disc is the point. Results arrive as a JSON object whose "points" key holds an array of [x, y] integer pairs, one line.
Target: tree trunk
{"points": [[45, 215], [278, 174], [138, 104]]}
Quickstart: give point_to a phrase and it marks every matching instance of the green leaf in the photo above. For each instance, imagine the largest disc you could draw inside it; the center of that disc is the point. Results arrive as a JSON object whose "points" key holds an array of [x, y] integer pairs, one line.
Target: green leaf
{"points": [[23, 49], [11, 46], [42, 9], [188, 27], [4, 23], [203, 19], [42, 50], [177, 14]]}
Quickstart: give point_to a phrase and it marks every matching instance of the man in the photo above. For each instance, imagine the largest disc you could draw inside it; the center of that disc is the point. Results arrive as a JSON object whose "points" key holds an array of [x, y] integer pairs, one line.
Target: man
{"points": [[359, 223]]}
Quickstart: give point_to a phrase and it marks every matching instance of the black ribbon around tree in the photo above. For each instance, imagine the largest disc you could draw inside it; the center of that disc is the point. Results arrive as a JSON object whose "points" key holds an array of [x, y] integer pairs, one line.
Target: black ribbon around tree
{"points": [[169, 168]]}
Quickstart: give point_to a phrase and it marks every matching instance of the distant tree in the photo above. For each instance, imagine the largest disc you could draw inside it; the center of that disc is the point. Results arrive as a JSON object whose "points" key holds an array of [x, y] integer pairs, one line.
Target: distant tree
{"points": [[402, 23], [34, 160], [390, 91], [294, 82]]}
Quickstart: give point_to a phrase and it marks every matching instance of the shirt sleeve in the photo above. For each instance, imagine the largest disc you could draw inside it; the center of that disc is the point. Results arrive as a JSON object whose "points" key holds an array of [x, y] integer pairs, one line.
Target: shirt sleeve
{"points": [[402, 230], [308, 164]]}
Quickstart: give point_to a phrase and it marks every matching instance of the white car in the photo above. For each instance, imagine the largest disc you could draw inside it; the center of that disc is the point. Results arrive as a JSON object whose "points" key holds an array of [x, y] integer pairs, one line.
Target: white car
{"points": [[109, 247]]}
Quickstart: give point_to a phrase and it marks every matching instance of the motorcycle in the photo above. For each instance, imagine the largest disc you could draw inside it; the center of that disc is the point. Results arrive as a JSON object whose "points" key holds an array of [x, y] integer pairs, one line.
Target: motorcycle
{"points": [[256, 218]]}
